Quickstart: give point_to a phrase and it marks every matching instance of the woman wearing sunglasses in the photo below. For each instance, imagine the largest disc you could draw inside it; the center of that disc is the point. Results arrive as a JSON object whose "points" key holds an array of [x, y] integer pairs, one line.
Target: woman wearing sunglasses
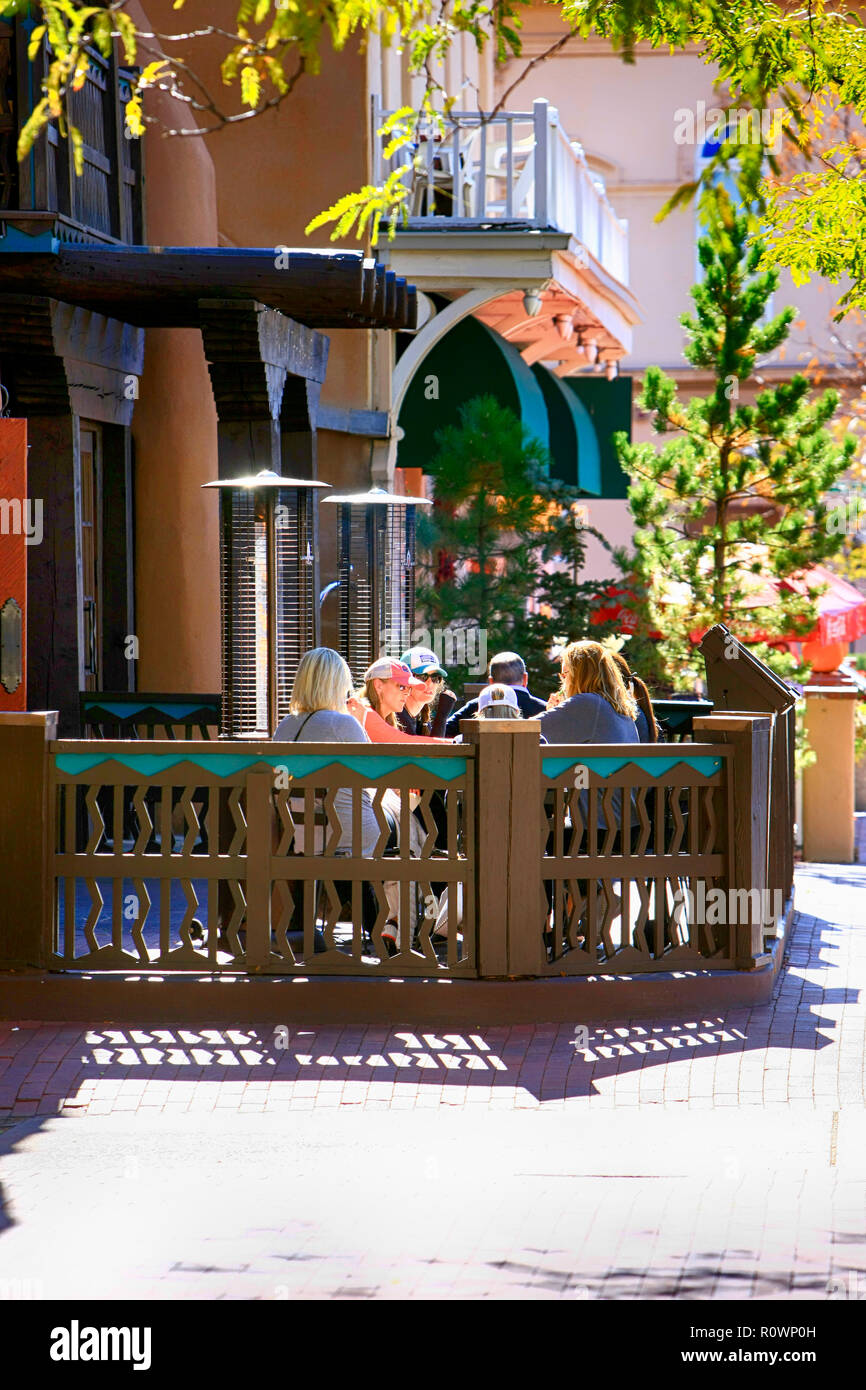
{"points": [[378, 704], [376, 707], [418, 715]]}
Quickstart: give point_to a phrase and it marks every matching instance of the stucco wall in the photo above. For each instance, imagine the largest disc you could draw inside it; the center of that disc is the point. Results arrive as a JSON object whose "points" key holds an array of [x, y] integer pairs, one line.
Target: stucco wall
{"points": [[257, 183], [274, 173], [174, 433]]}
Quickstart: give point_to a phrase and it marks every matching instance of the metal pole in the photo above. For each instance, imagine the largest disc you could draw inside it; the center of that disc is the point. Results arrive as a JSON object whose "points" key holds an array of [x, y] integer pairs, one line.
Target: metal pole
{"points": [[271, 564]]}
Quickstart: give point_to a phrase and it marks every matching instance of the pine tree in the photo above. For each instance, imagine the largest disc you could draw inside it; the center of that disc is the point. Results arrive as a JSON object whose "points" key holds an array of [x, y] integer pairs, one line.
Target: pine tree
{"points": [[501, 534], [735, 500], [488, 478], [566, 605]]}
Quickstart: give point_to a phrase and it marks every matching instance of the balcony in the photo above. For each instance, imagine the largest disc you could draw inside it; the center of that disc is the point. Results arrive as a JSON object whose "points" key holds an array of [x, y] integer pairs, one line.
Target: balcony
{"points": [[517, 171], [43, 197]]}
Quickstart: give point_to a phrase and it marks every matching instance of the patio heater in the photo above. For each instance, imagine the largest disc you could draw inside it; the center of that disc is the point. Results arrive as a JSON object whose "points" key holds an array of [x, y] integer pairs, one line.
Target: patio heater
{"points": [[268, 595], [377, 574]]}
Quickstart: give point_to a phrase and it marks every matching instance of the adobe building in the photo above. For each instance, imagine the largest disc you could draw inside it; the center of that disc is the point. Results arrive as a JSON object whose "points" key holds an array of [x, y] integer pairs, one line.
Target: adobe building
{"points": [[520, 260], [148, 354], [522, 265]]}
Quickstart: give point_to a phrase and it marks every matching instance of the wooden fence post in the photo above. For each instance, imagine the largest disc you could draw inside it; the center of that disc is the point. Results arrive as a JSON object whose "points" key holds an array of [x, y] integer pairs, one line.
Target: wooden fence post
{"points": [[748, 826], [25, 840], [508, 909], [260, 821]]}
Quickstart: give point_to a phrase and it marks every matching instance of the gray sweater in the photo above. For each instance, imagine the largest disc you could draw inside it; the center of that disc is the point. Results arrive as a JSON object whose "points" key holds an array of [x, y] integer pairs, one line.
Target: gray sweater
{"points": [[587, 719], [323, 726], [329, 726]]}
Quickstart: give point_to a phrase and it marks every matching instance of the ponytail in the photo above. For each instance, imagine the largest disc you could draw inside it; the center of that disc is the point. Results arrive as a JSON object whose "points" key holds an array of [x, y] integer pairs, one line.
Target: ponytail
{"points": [[638, 690]]}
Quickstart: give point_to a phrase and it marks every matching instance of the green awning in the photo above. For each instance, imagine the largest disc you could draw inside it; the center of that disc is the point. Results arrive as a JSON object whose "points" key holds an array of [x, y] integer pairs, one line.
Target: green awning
{"points": [[573, 417], [573, 441], [608, 404], [471, 360]]}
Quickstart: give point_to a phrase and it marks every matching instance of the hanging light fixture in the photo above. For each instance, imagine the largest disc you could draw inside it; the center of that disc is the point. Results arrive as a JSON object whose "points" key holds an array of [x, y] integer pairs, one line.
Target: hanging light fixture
{"points": [[268, 595]]}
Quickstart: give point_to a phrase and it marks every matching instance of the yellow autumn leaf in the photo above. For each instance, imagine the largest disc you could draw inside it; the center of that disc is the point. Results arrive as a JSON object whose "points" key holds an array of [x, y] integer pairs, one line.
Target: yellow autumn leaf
{"points": [[251, 86], [133, 116]]}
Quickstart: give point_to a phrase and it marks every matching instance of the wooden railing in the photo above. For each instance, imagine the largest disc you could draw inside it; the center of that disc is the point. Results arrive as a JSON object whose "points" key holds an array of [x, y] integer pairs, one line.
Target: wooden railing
{"points": [[122, 714], [518, 167], [240, 856], [103, 202], [267, 858], [629, 833]]}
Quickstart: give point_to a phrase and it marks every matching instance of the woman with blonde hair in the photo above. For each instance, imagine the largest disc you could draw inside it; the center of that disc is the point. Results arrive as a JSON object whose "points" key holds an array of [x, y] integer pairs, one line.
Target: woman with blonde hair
{"points": [[318, 713], [592, 704]]}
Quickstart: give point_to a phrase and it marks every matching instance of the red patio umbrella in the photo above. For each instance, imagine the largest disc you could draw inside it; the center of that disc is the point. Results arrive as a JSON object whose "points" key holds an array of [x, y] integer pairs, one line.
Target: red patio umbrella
{"points": [[841, 614]]}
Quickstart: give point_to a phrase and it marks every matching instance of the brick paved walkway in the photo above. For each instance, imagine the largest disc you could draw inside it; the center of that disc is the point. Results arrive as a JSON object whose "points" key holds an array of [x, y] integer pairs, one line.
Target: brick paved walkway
{"points": [[709, 1157]]}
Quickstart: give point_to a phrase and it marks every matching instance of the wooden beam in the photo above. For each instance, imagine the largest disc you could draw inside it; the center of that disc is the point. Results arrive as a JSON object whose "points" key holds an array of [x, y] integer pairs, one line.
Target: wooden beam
{"points": [[372, 424], [551, 348], [266, 373], [163, 287]]}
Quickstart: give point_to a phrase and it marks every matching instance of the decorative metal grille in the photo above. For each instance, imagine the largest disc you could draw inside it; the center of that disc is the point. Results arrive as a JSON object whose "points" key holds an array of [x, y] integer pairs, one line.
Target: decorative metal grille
{"points": [[377, 575], [268, 596]]}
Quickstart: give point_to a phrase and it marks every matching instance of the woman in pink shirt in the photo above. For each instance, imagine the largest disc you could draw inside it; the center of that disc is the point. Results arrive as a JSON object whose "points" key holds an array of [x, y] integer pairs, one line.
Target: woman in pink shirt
{"points": [[381, 698], [376, 706]]}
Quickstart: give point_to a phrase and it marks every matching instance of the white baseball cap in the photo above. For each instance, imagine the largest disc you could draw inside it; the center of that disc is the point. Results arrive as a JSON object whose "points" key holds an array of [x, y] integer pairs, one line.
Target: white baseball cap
{"points": [[423, 662], [504, 693]]}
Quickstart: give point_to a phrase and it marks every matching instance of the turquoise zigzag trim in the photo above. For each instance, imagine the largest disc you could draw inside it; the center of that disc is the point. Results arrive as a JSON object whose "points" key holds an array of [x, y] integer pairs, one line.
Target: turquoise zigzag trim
{"points": [[224, 764], [656, 767], [128, 711]]}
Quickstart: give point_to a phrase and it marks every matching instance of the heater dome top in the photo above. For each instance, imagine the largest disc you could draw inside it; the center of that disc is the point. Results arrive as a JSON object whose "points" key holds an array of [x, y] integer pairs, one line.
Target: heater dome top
{"points": [[377, 496], [265, 478]]}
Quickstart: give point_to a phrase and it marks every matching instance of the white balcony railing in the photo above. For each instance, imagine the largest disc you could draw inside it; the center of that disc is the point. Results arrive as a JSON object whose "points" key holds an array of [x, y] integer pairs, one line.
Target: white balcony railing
{"points": [[517, 169]]}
